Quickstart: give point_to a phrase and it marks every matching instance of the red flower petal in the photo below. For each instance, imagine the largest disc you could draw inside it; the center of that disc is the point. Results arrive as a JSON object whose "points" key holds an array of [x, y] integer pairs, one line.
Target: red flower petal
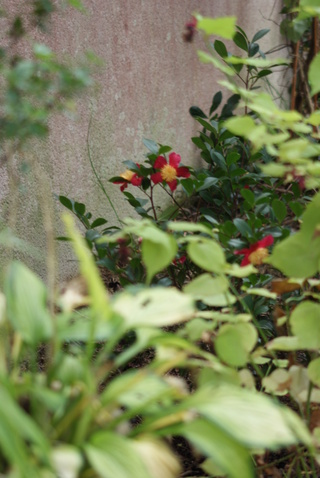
{"points": [[183, 172], [245, 261], [173, 185], [174, 160], [136, 181], [160, 162], [156, 178], [266, 241], [123, 187], [240, 252]]}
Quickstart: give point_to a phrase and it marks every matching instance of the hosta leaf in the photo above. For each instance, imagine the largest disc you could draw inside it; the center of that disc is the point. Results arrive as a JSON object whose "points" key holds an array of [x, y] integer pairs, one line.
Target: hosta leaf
{"points": [[234, 343], [154, 307], [228, 454]]}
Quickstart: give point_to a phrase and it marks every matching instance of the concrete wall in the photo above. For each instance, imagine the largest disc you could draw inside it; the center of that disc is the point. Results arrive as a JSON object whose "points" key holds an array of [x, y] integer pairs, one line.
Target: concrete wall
{"points": [[149, 80]]}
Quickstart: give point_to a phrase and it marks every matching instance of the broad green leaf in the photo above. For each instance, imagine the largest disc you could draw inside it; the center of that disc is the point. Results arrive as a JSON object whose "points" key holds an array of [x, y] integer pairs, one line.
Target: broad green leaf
{"points": [[296, 257], [112, 455], [27, 310], [314, 75], [251, 418], [279, 209], [215, 442], [248, 196], [285, 344], [205, 286], [158, 458], [158, 253], [240, 125], [222, 26], [305, 324], [212, 291], [154, 307], [207, 254], [234, 343], [314, 371]]}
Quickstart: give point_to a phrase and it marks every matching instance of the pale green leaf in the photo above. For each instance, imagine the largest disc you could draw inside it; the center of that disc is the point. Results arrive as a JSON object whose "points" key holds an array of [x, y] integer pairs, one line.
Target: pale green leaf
{"points": [[224, 27], [240, 125], [26, 299], [314, 371], [214, 442], [154, 307], [207, 254], [252, 418], [262, 292], [314, 75], [234, 343], [112, 455], [286, 344], [305, 324], [207, 58]]}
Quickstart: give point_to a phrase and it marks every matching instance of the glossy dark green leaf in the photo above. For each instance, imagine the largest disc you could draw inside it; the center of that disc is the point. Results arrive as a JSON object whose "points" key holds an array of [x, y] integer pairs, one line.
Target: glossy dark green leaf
{"points": [[221, 48], [240, 41], [196, 111], [216, 101], [261, 33]]}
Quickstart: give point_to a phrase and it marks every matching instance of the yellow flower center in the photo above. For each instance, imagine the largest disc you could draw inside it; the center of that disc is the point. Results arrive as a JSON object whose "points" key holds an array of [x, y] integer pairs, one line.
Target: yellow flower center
{"points": [[257, 257], [128, 175], [168, 173]]}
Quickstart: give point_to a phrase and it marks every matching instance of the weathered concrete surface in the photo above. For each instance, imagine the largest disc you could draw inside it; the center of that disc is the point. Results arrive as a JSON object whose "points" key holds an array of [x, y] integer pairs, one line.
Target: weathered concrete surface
{"points": [[149, 80]]}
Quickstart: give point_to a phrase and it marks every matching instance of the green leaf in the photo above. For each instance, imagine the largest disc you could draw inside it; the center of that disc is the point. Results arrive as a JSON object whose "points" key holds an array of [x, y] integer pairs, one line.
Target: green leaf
{"points": [[195, 111], [207, 254], [156, 307], [305, 324], [279, 209], [216, 101], [158, 251], [207, 58], [240, 41], [215, 442], [222, 26], [261, 33], [234, 343], [248, 196], [314, 75], [220, 48], [112, 455], [100, 221], [253, 419], [27, 309], [240, 125], [205, 287], [314, 371], [243, 227], [66, 202], [151, 145]]}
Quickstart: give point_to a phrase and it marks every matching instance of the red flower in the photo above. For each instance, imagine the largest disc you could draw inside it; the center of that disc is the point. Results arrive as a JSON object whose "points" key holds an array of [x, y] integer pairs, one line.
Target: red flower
{"points": [[180, 260], [256, 253], [190, 30], [129, 177], [169, 172]]}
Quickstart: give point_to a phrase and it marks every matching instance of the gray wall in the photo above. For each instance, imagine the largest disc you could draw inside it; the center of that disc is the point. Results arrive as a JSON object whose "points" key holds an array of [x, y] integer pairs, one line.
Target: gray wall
{"points": [[149, 79]]}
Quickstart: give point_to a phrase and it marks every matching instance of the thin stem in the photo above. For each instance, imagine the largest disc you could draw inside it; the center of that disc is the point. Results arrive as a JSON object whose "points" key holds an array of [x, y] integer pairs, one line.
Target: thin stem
{"points": [[100, 184], [152, 203]]}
